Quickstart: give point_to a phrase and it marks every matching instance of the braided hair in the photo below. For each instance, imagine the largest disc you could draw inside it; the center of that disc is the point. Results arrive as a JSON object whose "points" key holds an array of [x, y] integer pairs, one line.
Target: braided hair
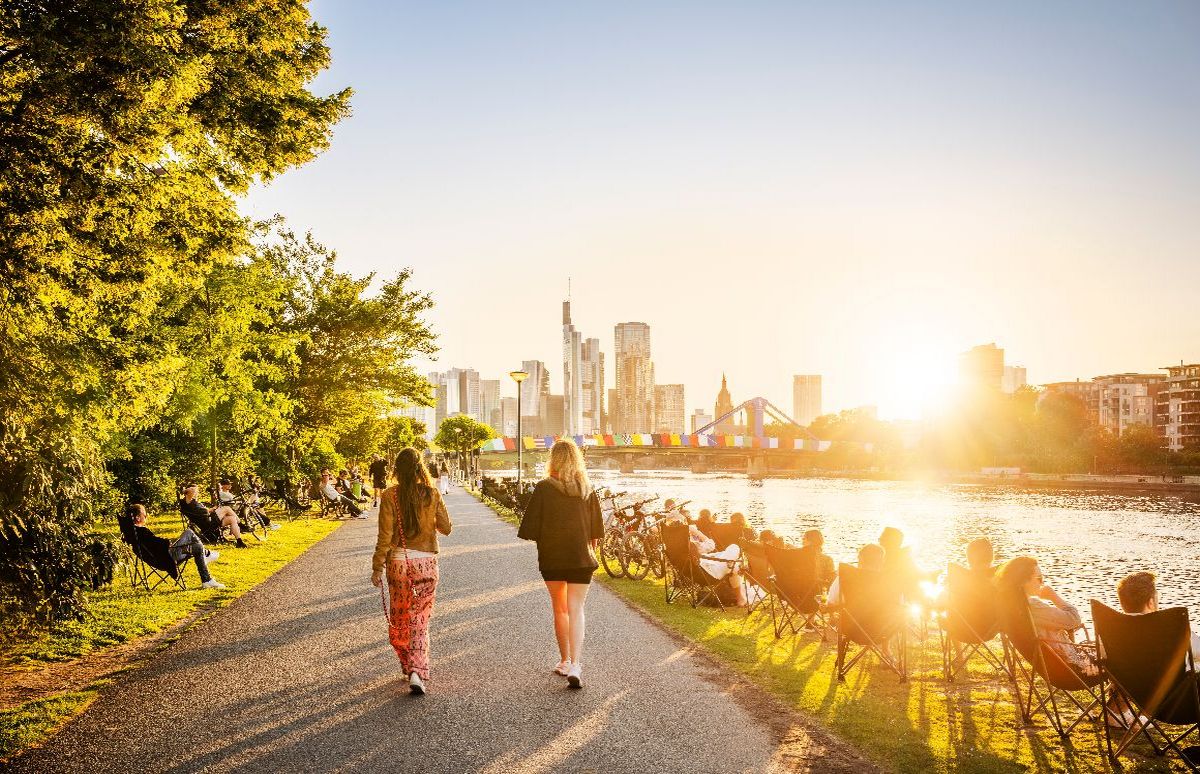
{"points": [[414, 490]]}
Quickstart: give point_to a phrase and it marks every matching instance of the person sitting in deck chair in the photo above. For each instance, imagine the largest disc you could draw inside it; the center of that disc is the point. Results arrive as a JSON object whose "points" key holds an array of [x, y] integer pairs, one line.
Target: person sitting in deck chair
{"points": [[733, 592], [330, 491], [739, 520], [345, 485], [1054, 619], [814, 544], [250, 509], [899, 565], [209, 521], [870, 557], [162, 554], [1138, 594], [980, 555]]}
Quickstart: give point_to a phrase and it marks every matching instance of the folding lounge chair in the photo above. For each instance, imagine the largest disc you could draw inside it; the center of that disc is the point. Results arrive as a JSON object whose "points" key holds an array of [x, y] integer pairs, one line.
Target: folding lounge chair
{"points": [[684, 574], [758, 573], [796, 587], [142, 572], [1148, 662], [725, 535], [1043, 678], [334, 509], [971, 622], [871, 617]]}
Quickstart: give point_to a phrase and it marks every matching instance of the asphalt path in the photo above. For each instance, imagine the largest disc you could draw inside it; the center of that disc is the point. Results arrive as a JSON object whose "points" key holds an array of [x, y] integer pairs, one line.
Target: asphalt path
{"points": [[297, 676]]}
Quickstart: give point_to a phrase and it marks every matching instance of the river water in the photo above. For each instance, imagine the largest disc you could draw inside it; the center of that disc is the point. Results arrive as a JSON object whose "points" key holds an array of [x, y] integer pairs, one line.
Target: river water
{"points": [[1084, 541]]}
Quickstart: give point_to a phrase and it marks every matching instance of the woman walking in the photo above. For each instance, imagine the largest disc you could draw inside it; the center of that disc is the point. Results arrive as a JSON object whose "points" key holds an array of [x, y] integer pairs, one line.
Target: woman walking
{"points": [[411, 513], [563, 517]]}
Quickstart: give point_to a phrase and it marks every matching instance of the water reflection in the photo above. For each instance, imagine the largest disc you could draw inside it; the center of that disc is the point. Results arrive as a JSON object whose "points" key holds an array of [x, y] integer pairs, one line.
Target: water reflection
{"points": [[1084, 541]]}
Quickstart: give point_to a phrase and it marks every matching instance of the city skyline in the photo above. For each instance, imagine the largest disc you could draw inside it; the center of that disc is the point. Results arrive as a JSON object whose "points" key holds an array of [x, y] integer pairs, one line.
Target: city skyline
{"points": [[1017, 194]]}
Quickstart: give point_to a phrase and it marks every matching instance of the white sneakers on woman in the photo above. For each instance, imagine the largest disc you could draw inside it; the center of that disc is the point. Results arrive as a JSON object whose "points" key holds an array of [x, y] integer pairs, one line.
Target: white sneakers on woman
{"points": [[415, 684], [575, 676], [563, 667]]}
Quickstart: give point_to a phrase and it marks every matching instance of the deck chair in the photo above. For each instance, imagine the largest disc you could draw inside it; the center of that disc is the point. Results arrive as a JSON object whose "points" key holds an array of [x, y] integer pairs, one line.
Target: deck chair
{"points": [[725, 534], [871, 616], [149, 571], [1043, 678], [685, 576], [332, 509], [758, 573], [1148, 662], [971, 622], [796, 586]]}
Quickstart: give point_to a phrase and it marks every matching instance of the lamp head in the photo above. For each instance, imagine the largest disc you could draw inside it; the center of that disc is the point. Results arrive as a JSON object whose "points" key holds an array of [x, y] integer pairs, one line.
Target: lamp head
{"points": [[519, 376]]}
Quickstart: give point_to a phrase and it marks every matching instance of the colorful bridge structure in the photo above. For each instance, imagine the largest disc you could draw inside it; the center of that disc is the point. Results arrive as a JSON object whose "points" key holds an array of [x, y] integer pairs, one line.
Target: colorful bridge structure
{"points": [[698, 450]]}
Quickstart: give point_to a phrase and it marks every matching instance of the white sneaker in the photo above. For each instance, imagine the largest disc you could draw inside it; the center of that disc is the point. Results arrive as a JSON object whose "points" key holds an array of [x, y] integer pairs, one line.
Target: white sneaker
{"points": [[563, 667], [575, 676], [274, 526], [212, 584], [211, 556], [415, 684]]}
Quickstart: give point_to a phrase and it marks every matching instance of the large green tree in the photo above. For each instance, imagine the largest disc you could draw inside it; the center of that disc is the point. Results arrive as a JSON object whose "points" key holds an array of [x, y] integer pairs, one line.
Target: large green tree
{"points": [[127, 129]]}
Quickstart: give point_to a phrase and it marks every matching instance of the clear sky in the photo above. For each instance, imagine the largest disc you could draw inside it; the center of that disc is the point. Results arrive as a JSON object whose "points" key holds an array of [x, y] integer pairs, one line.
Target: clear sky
{"points": [[859, 190]]}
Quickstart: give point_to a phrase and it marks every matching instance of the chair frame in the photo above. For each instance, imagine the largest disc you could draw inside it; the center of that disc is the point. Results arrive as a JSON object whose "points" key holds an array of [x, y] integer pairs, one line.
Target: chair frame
{"points": [[682, 581], [847, 625], [765, 583], [1045, 699], [141, 572], [333, 508], [785, 611], [1188, 684], [956, 663]]}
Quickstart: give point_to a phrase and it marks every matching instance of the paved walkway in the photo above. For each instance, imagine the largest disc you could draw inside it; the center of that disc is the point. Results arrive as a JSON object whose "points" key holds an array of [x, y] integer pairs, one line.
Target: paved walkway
{"points": [[297, 676]]}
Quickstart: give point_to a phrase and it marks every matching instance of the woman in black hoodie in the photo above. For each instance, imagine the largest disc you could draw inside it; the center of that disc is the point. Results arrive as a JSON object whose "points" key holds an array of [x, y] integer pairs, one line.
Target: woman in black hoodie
{"points": [[563, 517]]}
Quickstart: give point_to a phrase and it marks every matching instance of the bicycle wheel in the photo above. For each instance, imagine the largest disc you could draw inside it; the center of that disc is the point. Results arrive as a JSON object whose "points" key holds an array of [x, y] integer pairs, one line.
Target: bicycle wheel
{"points": [[610, 552], [634, 560], [656, 558]]}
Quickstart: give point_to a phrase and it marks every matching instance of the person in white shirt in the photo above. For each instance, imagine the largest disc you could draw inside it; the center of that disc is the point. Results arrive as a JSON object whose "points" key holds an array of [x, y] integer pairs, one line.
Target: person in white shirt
{"points": [[330, 491]]}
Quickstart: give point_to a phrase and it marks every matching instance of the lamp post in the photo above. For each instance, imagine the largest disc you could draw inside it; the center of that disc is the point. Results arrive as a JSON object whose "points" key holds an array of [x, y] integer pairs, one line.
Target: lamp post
{"points": [[518, 377]]}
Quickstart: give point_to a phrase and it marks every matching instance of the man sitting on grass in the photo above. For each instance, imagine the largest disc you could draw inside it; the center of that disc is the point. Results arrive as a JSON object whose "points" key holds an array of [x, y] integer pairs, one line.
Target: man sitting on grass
{"points": [[162, 554]]}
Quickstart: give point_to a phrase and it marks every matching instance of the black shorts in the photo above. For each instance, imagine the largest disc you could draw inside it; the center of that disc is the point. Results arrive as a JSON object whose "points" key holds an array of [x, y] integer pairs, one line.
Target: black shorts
{"points": [[380, 483], [574, 575]]}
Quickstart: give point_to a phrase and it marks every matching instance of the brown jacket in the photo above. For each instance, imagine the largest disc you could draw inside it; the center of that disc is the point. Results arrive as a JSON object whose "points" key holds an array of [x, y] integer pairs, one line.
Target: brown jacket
{"points": [[433, 519]]}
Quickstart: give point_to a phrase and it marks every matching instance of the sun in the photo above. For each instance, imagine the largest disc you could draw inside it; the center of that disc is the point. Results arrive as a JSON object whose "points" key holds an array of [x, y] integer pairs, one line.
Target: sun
{"points": [[917, 370]]}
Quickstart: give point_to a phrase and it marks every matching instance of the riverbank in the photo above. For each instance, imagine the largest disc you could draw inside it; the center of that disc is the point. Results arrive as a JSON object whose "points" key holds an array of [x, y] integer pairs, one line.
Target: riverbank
{"points": [[47, 679], [919, 726], [1183, 485]]}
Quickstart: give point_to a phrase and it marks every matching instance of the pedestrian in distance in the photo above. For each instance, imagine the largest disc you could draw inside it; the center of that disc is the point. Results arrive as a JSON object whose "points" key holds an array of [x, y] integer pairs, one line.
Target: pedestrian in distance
{"points": [[563, 518], [411, 514], [378, 472]]}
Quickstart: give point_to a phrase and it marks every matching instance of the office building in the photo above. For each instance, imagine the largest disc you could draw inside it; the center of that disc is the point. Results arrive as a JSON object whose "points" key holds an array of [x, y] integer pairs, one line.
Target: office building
{"points": [[635, 378], [1177, 407], [669, 410], [456, 392], [551, 421], [611, 417], [1013, 379], [489, 403], [572, 347], [982, 367], [700, 418], [508, 418], [806, 398], [593, 387], [535, 387]]}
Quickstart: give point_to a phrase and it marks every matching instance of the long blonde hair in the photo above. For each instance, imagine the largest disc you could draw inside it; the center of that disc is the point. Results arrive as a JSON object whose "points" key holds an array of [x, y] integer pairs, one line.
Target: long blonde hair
{"points": [[567, 465]]}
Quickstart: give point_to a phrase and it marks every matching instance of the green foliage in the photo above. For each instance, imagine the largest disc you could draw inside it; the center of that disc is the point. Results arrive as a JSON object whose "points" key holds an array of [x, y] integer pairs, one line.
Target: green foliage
{"points": [[401, 432], [33, 722], [125, 132], [462, 434]]}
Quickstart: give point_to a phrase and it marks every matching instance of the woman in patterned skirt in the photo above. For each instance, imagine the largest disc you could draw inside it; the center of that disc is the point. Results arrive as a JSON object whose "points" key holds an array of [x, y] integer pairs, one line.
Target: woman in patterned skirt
{"points": [[411, 514]]}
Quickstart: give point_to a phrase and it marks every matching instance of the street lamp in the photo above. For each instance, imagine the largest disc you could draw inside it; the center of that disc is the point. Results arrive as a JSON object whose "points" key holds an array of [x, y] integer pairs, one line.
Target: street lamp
{"points": [[518, 377]]}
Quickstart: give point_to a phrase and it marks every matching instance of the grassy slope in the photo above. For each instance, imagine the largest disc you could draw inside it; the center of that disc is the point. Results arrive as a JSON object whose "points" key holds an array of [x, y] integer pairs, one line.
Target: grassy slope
{"points": [[120, 613], [924, 725]]}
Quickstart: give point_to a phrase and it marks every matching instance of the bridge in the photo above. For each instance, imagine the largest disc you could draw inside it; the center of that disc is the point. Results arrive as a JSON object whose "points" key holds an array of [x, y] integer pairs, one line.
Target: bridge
{"points": [[701, 451]]}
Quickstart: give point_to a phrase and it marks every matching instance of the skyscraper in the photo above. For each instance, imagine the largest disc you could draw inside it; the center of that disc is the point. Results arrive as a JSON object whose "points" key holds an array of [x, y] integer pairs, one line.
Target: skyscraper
{"points": [[806, 398], [508, 417], [572, 374], [534, 388], [668, 408], [593, 387], [635, 378], [457, 392], [489, 403], [723, 406], [1013, 379], [700, 418], [982, 367]]}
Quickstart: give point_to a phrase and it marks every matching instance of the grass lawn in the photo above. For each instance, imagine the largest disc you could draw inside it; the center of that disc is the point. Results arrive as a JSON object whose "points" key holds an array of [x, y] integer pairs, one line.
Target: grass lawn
{"points": [[924, 725], [119, 614]]}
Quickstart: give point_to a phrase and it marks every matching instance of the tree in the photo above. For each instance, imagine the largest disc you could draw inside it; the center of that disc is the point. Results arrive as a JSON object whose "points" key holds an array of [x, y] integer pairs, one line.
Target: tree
{"points": [[402, 432], [462, 434], [126, 130]]}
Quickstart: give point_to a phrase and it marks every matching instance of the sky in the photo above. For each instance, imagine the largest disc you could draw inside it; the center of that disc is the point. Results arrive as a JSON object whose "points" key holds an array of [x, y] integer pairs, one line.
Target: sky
{"points": [[857, 190]]}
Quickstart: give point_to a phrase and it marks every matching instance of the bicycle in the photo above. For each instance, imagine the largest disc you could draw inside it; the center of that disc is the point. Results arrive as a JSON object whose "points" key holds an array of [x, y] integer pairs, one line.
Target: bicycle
{"points": [[643, 553], [623, 520]]}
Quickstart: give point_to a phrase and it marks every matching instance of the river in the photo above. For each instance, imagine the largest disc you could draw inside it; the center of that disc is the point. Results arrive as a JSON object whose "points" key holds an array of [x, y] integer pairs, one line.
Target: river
{"points": [[1084, 541]]}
